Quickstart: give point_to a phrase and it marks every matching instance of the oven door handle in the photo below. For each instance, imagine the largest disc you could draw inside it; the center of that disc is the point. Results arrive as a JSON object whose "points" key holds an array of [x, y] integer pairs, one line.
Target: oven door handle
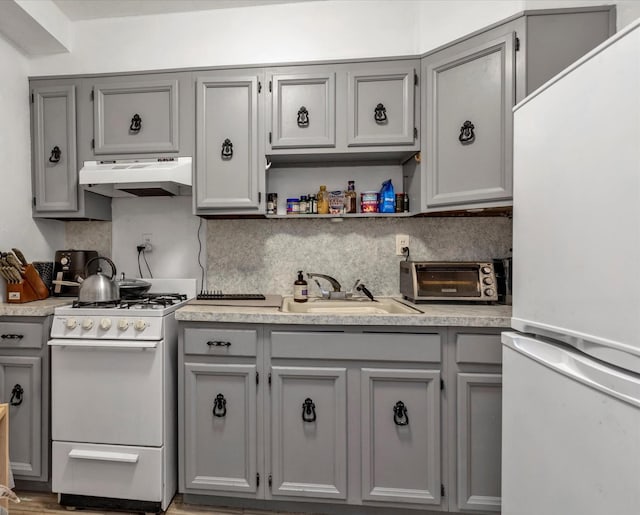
{"points": [[85, 454], [104, 344]]}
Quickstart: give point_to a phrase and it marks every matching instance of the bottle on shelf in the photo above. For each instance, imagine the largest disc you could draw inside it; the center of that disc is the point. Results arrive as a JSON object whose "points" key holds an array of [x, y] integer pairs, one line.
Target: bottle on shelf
{"points": [[350, 198], [323, 201]]}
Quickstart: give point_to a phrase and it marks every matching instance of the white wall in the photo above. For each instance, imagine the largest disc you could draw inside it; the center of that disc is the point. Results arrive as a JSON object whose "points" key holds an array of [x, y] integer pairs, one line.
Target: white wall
{"points": [[37, 239]]}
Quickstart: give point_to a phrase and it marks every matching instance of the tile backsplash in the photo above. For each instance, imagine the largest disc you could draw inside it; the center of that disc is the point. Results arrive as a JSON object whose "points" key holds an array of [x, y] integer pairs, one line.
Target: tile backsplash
{"points": [[263, 255]]}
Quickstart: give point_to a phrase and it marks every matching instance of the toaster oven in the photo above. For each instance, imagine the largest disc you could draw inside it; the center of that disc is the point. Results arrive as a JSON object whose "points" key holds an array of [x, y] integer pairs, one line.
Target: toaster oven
{"points": [[465, 281]]}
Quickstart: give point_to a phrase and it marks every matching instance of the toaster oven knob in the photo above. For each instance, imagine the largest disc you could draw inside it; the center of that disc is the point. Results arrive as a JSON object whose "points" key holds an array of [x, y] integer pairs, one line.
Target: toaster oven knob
{"points": [[487, 281], [139, 325], [72, 323], [489, 292], [105, 324], [87, 323], [486, 270], [64, 261], [123, 324]]}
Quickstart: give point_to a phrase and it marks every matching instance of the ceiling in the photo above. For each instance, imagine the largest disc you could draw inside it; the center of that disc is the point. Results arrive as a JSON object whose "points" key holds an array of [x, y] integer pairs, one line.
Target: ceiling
{"points": [[92, 9]]}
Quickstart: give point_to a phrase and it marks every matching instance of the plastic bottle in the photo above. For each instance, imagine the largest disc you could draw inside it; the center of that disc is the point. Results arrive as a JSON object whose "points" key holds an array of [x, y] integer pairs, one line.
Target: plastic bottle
{"points": [[300, 289], [323, 201]]}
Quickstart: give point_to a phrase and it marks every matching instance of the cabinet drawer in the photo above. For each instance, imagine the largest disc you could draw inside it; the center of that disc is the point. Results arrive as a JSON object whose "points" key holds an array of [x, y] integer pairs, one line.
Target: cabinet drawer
{"points": [[221, 342], [122, 472], [424, 347], [478, 348], [20, 335]]}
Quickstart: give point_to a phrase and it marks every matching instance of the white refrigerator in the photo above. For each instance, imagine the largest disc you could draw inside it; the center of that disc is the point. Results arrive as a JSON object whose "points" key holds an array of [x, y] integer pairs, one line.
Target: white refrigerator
{"points": [[571, 367]]}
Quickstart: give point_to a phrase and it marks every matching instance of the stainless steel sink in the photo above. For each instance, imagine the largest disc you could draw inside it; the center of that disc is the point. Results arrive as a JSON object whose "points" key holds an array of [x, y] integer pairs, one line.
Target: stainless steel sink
{"points": [[357, 306]]}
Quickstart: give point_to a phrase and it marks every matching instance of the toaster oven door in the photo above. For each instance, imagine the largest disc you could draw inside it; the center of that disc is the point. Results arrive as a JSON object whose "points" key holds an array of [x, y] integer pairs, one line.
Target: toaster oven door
{"points": [[448, 281]]}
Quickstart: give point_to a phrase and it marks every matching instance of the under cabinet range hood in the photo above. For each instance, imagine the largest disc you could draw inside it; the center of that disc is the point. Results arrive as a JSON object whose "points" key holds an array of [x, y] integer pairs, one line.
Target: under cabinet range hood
{"points": [[159, 177]]}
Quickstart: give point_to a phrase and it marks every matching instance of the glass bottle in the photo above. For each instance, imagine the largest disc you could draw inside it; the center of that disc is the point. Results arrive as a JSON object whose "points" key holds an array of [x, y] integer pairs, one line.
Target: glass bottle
{"points": [[323, 201], [350, 198]]}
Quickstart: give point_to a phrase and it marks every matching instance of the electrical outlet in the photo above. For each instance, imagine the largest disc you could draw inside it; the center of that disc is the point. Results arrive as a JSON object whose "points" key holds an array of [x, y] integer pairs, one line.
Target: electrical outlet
{"points": [[402, 241], [146, 241]]}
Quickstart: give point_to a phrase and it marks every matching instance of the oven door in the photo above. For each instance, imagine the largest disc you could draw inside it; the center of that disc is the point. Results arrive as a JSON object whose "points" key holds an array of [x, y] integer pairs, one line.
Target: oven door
{"points": [[108, 392], [448, 281]]}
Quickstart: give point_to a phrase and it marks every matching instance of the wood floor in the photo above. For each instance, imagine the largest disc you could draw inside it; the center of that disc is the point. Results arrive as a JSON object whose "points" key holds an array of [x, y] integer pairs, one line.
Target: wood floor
{"points": [[43, 503]]}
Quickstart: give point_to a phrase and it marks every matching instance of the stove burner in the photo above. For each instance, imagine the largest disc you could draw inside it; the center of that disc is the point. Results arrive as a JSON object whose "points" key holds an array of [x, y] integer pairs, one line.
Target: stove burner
{"points": [[143, 301]]}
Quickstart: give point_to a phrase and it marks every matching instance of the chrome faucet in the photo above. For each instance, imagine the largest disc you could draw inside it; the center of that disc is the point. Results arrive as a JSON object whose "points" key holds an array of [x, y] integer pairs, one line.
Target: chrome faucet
{"points": [[326, 294]]}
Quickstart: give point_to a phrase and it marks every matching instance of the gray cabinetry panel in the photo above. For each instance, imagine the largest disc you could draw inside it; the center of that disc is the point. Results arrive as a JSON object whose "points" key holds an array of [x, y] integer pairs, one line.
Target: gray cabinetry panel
{"points": [[220, 436], [21, 387], [136, 117], [303, 110], [479, 441], [473, 87], [309, 432], [400, 435], [227, 155], [380, 104], [54, 148]]}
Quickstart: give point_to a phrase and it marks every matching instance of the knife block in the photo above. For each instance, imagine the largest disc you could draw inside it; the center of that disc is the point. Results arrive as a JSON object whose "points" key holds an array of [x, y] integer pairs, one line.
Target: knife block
{"points": [[29, 289]]}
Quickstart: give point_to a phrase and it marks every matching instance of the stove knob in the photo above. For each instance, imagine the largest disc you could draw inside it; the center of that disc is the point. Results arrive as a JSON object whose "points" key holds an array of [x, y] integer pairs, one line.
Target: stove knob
{"points": [[139, 325], [72, 323], [105, 324], [123, 324], [489, 292], [487, 280], [87, 323]]}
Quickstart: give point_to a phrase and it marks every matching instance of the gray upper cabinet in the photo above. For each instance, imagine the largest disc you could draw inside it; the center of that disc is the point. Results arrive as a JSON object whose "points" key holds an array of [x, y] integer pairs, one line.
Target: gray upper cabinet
{"points": [[303, 107], [136, 117], [56, 193], [380, 106], [55, 171], [469, 89], [469, 99], [229, 164]]}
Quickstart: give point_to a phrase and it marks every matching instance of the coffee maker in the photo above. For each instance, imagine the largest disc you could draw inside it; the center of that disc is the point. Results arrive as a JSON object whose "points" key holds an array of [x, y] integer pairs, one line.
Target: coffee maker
{"points": [[69, 265]]}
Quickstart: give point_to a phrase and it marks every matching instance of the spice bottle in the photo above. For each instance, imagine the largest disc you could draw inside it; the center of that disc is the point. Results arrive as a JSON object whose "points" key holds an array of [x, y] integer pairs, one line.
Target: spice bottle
{"points": [[350, 198], [323, 201], [300, 289]]}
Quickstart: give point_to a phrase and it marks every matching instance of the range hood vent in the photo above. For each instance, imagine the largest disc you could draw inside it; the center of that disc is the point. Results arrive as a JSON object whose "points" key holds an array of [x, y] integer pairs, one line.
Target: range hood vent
{"points": [[160, 177]]}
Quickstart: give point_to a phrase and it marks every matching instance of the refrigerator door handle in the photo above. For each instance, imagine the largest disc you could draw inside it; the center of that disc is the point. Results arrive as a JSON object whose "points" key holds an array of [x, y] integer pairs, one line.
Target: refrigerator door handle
{"points": [[566, 361]]}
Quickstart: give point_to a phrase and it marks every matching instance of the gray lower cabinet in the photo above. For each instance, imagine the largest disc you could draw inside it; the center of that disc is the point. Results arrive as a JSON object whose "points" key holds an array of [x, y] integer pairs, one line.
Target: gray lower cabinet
{"points": [[24, 385], [219, 422], [56, 193], [229, 163], [470, 88], [476, 381]]}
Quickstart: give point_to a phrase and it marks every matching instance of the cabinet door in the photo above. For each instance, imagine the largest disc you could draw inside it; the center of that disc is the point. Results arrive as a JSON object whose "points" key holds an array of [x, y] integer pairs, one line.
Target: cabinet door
{"points": [[469, 123], [401, 435], [303, 110], [380, 106], [55, 172], [220, 427], [227, 160], [479, 441], [20, 384], [136, 117], [309, 432]]}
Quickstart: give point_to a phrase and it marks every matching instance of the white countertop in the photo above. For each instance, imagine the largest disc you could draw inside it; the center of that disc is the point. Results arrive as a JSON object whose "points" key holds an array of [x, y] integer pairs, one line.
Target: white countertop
{"points": [[37, 308]]}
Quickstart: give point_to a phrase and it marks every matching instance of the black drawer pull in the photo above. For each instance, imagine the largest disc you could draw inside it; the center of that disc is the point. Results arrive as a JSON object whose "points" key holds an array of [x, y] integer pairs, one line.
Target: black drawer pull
{"points": [[136, 123], [12, 336], [227, 149], [218, 343], [219, 406], [467, 135], [16, 394], [400, 415], [303, 117], [380, 113], [308, 410], [55, 154]]}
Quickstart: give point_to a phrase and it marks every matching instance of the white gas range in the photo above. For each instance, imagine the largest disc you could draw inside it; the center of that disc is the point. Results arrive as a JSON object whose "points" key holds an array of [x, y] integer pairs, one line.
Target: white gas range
{"points": [[113, 395]]}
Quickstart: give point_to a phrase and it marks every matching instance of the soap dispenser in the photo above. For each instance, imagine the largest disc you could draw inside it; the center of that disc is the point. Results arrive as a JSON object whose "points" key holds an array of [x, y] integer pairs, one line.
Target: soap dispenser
{"points": [[300, 289]]}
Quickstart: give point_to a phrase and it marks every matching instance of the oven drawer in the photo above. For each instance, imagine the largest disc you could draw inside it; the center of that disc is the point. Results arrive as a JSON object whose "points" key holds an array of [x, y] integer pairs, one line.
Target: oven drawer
{"points": [[122, 472], [220, 342]]}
